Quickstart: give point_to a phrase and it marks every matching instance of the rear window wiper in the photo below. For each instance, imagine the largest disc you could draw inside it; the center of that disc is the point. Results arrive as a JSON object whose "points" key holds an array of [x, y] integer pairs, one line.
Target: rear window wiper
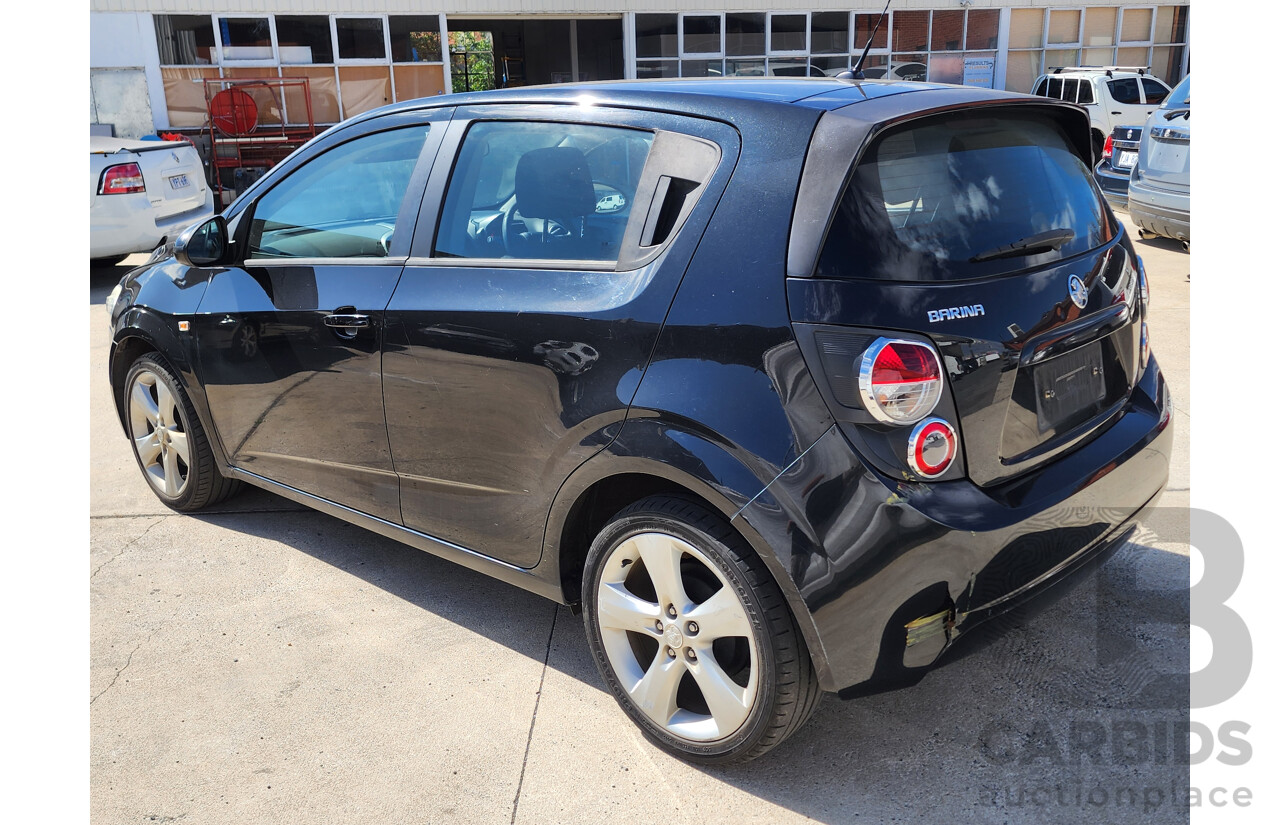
{"points": [[1032, 244], [1172, 113]]}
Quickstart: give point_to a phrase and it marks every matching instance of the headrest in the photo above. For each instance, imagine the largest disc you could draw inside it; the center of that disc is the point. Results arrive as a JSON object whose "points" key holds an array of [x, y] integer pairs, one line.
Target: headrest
{"points": [[554, 183]]}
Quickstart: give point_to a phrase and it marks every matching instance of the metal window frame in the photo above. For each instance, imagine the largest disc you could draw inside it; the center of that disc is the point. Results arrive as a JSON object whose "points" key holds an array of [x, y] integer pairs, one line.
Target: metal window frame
{"points": [[770, 51], [1048, 23], [339, 60], [850, 47], [684, 55], [246, 63], [441, 29], [1151, 29]]}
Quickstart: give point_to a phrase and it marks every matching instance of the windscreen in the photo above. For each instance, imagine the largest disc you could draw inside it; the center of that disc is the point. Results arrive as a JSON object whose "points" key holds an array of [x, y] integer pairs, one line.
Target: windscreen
{"points": [[1181, 96], [965, 196]]}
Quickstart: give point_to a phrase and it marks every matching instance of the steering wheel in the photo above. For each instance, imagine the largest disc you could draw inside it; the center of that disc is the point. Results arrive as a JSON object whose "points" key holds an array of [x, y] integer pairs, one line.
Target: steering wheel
{"points": [[552, 227]]}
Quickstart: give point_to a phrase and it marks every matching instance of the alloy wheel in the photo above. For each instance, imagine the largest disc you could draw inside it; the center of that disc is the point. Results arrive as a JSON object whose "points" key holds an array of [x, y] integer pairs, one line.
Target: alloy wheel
{"points": [[159, 434], [678, 637]]}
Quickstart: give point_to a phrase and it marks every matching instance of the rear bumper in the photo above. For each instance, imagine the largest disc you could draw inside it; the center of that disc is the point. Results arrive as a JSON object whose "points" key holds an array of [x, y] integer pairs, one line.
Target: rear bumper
{"points": [[870, 556], [1114, 185], [1162, 213], [124, 224]]}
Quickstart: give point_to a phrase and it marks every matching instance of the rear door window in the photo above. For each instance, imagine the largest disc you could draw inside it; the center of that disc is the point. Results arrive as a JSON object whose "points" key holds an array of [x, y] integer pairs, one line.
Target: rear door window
{"points": [[1124, 90], [551, 191], [945, 199]]}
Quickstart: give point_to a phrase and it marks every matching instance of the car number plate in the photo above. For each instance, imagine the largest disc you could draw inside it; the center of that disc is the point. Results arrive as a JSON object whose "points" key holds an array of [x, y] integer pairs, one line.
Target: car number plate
{"points": [[179, 182], [1127, 159], [1069, 387]]}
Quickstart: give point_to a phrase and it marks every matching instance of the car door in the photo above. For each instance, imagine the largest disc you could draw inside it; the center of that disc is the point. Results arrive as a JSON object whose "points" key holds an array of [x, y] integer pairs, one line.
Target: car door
{"points": [[522, 324], [1126, 105], [289, 338]]}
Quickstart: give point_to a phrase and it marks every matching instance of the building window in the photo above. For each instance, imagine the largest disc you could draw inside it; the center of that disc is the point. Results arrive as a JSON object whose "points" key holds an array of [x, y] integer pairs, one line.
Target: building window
{"points": [[1141, 37], [304, 40], [360, 38], [656, 36], [185, 40], [702, 34], [245, 38], [352, 64]]}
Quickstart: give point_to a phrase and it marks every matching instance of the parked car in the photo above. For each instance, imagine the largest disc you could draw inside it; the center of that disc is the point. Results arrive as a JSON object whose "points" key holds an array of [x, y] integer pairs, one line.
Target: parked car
{"points": [[1113, 95], [1119, 154], [142, 193], [1160, 192], [856, 367]]}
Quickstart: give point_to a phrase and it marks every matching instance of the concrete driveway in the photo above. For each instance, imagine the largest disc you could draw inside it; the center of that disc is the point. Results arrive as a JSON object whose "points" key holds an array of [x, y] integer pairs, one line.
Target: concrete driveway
{"points": [[265, 663]]}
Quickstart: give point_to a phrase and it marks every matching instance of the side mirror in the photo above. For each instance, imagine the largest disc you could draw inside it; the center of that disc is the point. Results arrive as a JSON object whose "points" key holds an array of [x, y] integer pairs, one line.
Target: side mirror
{"points": [[204, 244]]}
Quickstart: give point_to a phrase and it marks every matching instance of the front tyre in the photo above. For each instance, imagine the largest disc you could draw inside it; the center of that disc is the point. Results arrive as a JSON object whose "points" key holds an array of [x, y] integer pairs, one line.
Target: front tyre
{"points": [[169, 442], [692, 635]]}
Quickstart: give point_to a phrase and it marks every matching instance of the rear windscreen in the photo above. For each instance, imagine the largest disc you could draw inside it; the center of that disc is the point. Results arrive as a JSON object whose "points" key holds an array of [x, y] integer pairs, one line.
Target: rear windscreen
{"points": [[964, 197]]}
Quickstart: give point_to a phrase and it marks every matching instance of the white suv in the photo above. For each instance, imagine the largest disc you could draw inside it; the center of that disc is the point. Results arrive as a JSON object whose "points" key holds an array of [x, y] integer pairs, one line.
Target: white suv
{"points": [[1113, 95]]}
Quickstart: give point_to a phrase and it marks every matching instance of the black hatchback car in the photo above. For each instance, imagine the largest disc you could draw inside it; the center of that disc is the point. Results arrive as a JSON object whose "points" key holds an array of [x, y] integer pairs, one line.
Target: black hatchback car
{"points": [[786, 384]]}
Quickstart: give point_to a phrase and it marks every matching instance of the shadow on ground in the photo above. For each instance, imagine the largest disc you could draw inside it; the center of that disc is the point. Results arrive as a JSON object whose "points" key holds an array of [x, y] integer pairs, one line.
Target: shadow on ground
{"points": [[1083, 689]]}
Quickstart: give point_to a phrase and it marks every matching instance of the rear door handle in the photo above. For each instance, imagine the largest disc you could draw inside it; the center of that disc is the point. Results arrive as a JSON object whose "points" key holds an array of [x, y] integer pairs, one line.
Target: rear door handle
{"points": [[346, 321]]}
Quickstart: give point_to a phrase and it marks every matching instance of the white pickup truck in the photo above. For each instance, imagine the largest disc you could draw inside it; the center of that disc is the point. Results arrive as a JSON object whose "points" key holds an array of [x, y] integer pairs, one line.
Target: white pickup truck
{"points": [[142, 192], [1113, 95]]}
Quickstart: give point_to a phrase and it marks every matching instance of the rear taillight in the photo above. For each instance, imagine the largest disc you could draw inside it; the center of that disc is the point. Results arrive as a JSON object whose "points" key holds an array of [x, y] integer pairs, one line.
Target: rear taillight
{"points": [[932, 448], [900, 381], [122, 180], [1106, 147]]}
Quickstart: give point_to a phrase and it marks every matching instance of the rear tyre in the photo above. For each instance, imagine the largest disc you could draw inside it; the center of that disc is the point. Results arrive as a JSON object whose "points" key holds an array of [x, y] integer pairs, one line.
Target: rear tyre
{"points": [[1099, 142], [168, 440], [692, 635]]}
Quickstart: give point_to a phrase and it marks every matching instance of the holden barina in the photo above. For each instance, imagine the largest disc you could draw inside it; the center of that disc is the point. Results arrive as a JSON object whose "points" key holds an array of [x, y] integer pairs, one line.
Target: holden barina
{"points": [[784, 384]]}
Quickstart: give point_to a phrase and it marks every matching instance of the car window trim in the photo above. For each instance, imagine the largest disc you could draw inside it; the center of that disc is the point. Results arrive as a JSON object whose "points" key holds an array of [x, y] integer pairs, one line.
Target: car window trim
{"points": [[390, 260], [556, 264]]}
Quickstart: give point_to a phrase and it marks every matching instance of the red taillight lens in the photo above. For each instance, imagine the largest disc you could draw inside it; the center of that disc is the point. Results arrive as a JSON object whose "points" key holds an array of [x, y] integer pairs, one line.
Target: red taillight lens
{"points": [[900, 381], [932, 448], [1107, 147], [122, 180]]}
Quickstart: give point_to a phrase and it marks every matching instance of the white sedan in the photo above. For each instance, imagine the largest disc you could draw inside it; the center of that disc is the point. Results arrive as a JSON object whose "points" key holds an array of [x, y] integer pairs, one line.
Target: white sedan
{"points": [[141, 193]]}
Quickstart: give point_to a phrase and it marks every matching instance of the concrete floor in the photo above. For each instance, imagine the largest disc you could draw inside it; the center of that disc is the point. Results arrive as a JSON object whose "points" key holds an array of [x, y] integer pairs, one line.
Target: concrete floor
{"points": [[265, 663]]}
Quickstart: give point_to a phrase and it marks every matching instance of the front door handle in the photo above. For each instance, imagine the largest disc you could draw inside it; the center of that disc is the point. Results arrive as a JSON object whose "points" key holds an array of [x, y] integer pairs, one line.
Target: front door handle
{"points": [[346, 321]]}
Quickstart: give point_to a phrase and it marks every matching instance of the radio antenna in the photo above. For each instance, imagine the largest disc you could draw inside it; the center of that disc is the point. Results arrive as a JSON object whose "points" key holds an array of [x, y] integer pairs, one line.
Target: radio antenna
{"points": [[857, 67]]}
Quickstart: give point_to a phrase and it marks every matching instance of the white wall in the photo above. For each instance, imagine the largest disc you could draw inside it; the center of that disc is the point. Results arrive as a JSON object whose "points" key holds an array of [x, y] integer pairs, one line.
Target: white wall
{"points": [[128, 41]]}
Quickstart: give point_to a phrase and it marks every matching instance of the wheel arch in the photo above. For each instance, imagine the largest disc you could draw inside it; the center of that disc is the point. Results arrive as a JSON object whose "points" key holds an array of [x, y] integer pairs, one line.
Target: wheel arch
{"points": [[140, 332], [623, 474]]}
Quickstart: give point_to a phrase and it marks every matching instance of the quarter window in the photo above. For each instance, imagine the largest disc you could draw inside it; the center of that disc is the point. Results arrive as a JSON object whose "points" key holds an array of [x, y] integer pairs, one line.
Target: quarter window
{"points": [[342, 204], [546, 191], [1155, 92]]}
